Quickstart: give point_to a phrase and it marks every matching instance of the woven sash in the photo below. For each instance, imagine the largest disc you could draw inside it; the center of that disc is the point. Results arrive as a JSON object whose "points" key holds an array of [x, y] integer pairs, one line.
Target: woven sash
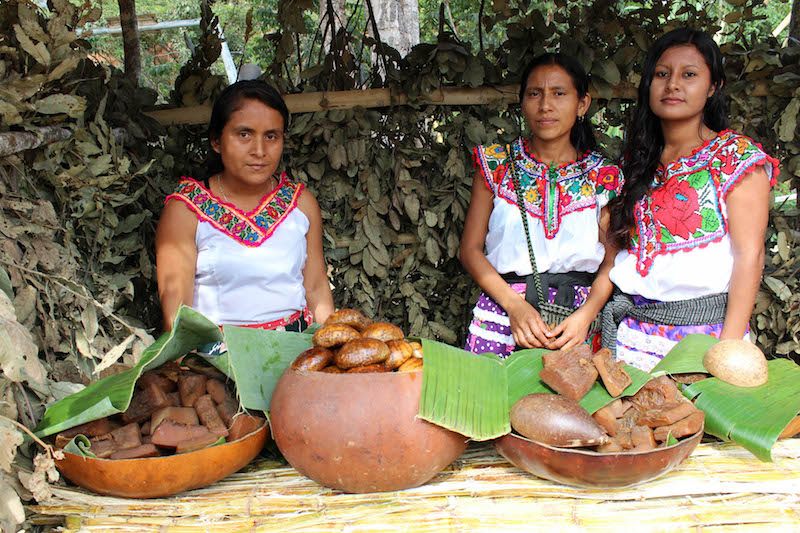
{"points": [[693, 312]]}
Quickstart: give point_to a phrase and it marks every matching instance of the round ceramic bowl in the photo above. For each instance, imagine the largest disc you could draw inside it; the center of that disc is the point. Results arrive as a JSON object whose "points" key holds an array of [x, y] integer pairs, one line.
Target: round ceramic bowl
{"points": [[359, 432], [156, 477], [583, 468]]}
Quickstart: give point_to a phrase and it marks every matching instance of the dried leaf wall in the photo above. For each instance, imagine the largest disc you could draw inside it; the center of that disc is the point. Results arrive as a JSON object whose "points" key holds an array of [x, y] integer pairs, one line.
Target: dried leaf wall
{"points": [[79, 215]]}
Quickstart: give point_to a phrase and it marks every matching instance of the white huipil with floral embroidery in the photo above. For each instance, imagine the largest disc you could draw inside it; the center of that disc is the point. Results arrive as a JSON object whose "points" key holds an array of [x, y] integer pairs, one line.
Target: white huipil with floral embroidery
{"points": [[249, 265], [563, 211], [681, 247]]}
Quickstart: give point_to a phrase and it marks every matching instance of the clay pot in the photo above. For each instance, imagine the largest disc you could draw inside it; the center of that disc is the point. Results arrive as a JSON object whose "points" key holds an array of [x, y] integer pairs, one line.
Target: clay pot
{"points": [[582, 468], [359, 432], [156, 477]]}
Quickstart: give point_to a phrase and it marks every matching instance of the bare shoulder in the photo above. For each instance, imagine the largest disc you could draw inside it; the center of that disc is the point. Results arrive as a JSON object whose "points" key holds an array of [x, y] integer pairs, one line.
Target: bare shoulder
{"points": [[308, 204], [177, 223]]}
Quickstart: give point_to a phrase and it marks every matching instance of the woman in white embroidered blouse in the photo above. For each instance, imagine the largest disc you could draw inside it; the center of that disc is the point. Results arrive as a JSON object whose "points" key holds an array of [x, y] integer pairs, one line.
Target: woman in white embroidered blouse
{"points": [[692, 216], [244, 246], [565, 185]]}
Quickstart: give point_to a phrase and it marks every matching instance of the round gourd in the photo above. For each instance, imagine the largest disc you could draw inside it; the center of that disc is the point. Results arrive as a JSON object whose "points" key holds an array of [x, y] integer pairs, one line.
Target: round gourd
{"points": [[556, 421], [738, 362]]}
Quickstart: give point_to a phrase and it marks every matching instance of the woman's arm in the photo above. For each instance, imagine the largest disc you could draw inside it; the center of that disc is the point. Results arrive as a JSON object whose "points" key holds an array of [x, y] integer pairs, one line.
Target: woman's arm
{"points": [[315, 274], [573, 329], [527, 326], [748, 215], [176, 259]]}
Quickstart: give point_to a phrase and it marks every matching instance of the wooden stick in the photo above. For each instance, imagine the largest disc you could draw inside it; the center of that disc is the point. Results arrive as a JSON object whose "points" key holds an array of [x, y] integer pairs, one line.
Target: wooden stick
{"points": [[12, 142], [371, 98]]}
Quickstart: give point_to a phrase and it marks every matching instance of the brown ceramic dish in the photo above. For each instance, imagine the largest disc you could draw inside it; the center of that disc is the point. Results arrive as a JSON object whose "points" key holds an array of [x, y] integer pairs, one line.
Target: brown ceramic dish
{"points": [[583, 468], [359, 432], [156, 477]]}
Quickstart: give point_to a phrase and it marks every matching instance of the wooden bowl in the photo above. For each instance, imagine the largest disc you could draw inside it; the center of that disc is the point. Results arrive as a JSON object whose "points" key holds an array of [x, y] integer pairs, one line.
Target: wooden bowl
{"points": [[359, 432], [582, 468], [156, 477]]}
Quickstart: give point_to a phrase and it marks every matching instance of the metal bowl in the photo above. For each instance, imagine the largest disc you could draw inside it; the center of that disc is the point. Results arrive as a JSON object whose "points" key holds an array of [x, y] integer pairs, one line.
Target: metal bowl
{"points": [[582, 468], [359, 432], [156, 477]]}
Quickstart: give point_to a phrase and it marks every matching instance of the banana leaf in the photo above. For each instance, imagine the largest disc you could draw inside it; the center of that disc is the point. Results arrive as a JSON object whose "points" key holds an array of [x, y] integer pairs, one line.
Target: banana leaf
{"points": [[472, 394], [255, 360], [752, 417], [112, 395]]}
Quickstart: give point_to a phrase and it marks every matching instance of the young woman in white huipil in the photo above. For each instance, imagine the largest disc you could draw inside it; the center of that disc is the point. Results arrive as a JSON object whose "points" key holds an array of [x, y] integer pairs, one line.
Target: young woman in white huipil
{"points": [[244, 246]]}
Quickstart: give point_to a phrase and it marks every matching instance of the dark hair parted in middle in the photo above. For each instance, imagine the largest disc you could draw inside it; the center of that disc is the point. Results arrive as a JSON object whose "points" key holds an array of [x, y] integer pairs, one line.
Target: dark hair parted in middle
{"points": [[582, 135], [644, 140], [229, 101]]}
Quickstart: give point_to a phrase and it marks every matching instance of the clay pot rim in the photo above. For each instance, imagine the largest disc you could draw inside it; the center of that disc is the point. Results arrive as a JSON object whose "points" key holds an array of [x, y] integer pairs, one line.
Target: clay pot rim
{"points": [[590, 453], [167, 457]]}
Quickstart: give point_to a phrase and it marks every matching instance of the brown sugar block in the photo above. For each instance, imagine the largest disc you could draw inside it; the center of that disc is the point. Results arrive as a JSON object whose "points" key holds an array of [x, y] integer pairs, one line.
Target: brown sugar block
{"points": [[169, 434], [605, 417], [170, 370], [145, 450], [617, 407], [174, 399], [243, 425], [217, 390], [669, 415], [227, 410], [688, 379], [197, 442], [657, 393], [180, 415], [642, 436], [92, 429], [144, 403], [682, 428], [103, 446], [128, 436], [792, 429], [209, 416], [570, 373], [191, 386], [614, 377], [612, 445], [154, 377], [146, 426]]}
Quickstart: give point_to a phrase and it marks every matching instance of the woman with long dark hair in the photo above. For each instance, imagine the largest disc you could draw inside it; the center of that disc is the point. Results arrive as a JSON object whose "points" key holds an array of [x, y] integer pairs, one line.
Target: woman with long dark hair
{"points": [[244, 245], [693, 212], [540, 203]]}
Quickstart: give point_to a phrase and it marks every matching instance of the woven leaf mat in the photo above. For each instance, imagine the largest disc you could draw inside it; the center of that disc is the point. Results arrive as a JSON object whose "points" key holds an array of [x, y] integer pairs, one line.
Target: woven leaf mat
{"points": [[719, 487]]}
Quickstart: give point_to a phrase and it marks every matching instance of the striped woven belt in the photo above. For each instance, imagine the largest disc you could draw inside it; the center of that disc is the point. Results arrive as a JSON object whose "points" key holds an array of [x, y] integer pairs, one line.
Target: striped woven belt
{"points": [[692, 312]]}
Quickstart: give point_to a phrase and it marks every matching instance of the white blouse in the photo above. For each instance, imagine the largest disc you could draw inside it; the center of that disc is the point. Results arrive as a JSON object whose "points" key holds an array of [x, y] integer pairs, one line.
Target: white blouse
{"points": [[562, 205]]}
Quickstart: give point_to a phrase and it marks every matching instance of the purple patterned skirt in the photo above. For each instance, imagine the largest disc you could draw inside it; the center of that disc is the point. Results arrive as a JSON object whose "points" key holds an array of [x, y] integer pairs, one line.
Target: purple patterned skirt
{"points": [[644, 345], [490, 328]]}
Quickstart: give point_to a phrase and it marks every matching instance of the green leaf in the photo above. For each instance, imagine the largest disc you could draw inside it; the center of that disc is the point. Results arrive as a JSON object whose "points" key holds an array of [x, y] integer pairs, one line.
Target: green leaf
{"points": [[710, 220], [113, 394], [80, 445], [255, 360], [752, 417], [787, 125], [686, 357], [666, 236], [698, 179]]}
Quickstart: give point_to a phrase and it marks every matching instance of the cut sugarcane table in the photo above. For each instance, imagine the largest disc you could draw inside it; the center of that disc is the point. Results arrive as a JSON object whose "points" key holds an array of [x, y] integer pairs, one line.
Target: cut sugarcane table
{"points": [[720, 487]]}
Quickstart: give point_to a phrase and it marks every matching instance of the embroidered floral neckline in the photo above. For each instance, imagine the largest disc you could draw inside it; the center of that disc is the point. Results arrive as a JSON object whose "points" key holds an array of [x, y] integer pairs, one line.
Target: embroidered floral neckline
{"points": [[719, 136], [250, 229]]}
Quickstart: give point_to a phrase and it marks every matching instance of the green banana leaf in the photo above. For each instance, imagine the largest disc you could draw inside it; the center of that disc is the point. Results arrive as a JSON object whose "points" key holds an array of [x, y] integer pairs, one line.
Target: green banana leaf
{"points": [[752, 417], [113, 394], [255, 360], [472, 394]]}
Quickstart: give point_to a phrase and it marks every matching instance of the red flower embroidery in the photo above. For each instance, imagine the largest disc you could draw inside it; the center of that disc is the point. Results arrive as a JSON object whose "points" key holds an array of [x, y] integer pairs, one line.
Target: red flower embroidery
{"points": [[609, 178], [499, 172], [225, 218], [674, 207]]}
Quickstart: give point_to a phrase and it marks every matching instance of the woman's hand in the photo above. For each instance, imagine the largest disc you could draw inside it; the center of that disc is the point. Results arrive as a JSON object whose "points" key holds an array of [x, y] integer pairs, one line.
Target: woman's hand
{"points": [[571, 331], [527, 326]]}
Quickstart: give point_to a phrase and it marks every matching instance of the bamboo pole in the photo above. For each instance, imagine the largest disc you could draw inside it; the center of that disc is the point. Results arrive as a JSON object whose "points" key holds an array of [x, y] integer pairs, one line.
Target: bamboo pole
{"points": [[371, 98]]}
